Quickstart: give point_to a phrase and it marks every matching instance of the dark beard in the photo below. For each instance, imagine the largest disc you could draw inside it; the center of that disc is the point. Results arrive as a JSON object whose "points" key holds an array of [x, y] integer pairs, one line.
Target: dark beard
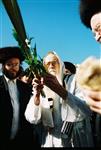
{"points": [[10, 75]]}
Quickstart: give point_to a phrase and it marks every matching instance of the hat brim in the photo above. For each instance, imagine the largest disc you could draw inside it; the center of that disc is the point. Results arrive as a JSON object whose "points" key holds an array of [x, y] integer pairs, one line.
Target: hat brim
{"points": [[10, 52]]}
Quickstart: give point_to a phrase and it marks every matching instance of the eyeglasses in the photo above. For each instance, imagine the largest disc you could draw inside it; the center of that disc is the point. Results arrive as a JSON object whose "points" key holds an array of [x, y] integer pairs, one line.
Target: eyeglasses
{"points": [[51, 62], [12, 65]]}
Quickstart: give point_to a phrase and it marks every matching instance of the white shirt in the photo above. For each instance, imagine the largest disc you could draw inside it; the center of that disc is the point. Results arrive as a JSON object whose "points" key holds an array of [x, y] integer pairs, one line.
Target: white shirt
{"points": [[15, 104]]}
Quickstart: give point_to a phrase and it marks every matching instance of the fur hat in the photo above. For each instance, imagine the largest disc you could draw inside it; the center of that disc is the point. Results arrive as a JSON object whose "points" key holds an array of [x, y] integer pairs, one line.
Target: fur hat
{"points": [[87, 9], [70, 66], [10, 52]]}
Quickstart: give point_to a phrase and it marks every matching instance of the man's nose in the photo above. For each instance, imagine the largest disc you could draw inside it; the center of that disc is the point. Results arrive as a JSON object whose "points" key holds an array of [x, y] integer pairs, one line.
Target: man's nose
{"points": [[98, 35], [51, 65]]}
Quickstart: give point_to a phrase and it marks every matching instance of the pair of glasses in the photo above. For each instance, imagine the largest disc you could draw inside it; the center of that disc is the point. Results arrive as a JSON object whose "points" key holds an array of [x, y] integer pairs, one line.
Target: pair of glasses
{"points": [[13, 65], [52, 62]]}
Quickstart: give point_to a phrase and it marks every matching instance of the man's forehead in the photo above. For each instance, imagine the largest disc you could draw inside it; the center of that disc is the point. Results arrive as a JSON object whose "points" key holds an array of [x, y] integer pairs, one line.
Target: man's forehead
{"points": [[51, 57], [96, 18]]}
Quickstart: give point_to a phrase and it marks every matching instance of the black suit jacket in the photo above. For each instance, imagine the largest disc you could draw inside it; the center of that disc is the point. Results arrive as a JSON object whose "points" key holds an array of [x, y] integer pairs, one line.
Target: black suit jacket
{"points": [[24, 136]]}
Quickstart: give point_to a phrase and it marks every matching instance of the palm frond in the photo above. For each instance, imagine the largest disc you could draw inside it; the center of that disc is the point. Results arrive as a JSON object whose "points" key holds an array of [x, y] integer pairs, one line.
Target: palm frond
{"points": [[35, 65]]}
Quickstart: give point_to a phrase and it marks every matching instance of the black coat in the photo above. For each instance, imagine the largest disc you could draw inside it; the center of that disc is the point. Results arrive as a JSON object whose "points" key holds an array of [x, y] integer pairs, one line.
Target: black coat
{"points": [[24, 136], [96, 127]]}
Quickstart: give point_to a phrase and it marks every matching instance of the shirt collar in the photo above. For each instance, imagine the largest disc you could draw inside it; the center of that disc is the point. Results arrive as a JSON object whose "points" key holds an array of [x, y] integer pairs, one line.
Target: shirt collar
{"points": [[7, 79]]}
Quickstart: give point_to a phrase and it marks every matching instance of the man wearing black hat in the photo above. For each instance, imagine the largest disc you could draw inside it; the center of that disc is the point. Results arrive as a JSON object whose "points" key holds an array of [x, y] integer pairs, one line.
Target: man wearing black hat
{"points": [[15, 131], [69, 67], [90, 15]]}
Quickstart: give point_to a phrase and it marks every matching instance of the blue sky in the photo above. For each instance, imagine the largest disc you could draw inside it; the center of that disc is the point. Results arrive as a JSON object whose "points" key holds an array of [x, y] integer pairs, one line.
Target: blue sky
{"points": [[55, 25]]}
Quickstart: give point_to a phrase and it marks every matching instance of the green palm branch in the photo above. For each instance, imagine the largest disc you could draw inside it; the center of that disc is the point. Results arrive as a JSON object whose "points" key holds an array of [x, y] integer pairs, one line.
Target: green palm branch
{"points": [[35, 65]]}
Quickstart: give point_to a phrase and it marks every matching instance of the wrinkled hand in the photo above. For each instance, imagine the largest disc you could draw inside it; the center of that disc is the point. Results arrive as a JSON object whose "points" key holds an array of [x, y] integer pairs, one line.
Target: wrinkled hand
{"points": [[52, 82], [93, 99], [37, 84]]}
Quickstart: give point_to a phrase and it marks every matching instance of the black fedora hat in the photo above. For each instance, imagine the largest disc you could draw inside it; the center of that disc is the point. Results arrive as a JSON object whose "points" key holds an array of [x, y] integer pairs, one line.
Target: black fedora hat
{"points": [[10, 52], [87, 9], [70, 66]]}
